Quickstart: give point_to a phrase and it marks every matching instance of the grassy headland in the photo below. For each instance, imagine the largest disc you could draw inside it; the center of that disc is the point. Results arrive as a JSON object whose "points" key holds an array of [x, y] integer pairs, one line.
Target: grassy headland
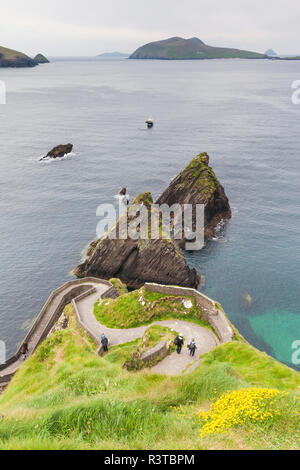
{"points": [[66, 397], [11, 58]]}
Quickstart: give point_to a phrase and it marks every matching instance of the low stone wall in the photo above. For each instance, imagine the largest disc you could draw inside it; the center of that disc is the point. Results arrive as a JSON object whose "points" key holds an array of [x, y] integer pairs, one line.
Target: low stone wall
{"points": [[210, 311], [161, 351], [111, 293], [43, 325]]}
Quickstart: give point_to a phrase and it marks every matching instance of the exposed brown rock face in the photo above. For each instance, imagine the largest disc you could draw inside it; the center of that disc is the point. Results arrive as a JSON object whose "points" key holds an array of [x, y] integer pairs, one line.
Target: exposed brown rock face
{"points": [[138, 261], [198, 184], [159, 260], [59, 151]]}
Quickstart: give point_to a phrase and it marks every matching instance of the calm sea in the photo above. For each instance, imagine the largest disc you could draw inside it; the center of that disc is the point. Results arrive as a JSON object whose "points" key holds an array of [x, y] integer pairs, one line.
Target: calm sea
{"points": [[240, 112]]}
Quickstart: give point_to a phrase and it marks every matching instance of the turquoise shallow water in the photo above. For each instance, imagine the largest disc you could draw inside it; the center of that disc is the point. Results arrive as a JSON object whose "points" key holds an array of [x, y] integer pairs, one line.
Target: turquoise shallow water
{"points": [[240, 112], [277, 329]]}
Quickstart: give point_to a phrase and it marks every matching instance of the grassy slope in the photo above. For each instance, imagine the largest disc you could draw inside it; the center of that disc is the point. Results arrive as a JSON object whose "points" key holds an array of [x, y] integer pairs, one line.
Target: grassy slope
{"points": [[10, 54], [10, 57], [65, 397], [128, 312]]}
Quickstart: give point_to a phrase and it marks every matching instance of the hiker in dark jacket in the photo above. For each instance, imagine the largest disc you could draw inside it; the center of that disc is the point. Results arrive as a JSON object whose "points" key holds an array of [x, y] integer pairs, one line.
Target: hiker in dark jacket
{"points": [[24, 351], [192, 347], [179, 342], [104, 342]]}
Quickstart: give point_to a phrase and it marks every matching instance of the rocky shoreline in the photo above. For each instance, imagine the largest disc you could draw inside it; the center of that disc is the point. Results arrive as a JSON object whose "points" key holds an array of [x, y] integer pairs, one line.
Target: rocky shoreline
{"points": [[18, 62]]}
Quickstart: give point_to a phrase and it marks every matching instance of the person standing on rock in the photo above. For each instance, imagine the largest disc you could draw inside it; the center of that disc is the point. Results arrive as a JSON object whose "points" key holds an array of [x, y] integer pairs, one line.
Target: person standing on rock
{"points": [[192, 347], [179, 342], [104, 342]]}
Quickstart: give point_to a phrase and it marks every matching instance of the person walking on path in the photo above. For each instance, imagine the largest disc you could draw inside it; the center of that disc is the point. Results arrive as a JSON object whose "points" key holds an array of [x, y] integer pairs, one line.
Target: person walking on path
{"points": [[179, 342], [24, 351], [104, 342], [192, 347]]}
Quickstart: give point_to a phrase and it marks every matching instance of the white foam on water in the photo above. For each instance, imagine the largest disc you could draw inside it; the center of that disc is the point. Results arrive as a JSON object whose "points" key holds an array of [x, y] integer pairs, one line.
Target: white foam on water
{"points": [[48, 160]]}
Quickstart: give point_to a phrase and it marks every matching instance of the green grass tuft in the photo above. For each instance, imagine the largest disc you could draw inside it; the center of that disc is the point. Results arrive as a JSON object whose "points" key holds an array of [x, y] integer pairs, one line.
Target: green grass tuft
{"points": [[142, 308], [66, 397]]}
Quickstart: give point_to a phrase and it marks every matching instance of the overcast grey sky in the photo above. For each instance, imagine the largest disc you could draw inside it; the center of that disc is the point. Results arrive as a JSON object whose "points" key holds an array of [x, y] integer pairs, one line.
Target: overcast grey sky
{"points": [[89, 27]]}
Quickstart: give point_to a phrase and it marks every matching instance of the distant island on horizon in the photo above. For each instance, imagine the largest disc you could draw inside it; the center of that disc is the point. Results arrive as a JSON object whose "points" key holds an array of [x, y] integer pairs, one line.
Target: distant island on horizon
{"points": [[114, 55], [178, 48], [175, 48], [271, 53]]}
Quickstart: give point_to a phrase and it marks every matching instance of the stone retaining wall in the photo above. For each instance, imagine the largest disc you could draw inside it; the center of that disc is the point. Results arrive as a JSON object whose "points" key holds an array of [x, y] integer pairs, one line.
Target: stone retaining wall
{"points": [[50, 323], [79, 288], [161, 351], [210, 311], [111, 293]]}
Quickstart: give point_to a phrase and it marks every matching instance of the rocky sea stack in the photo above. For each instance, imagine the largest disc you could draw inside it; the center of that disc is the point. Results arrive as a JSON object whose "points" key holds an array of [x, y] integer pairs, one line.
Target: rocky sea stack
{"points": [[41, 59], [138, 261], [198, 184], [11, 58], [160, 260]]}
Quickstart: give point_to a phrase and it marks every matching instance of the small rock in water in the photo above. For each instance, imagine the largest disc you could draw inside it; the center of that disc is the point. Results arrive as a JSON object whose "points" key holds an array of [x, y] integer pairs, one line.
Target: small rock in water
{"points": [[59, 152]]}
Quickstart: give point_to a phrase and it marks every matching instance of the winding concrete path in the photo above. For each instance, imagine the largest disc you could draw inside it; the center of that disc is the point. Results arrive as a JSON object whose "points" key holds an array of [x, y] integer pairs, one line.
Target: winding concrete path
{"points": [[172, 365]]}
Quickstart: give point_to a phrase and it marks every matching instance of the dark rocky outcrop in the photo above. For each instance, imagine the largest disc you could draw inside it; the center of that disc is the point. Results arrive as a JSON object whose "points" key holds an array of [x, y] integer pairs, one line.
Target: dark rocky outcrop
{"points": [[198, 184], [138, 261], [11, 58], [41, 59], [59, 152]]}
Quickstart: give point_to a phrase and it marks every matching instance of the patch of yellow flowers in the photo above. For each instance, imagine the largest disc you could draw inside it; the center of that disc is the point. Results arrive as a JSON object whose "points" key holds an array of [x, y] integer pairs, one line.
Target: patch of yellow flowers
{"points": [[239, 407]]}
